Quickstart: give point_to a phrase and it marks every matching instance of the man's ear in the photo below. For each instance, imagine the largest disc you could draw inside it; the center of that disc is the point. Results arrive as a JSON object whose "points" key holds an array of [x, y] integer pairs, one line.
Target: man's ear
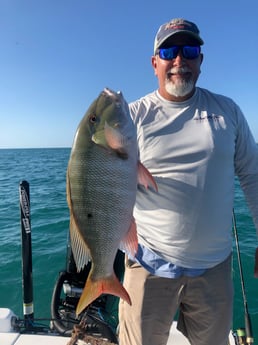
{"points": [[202, 57], [154, 63]]}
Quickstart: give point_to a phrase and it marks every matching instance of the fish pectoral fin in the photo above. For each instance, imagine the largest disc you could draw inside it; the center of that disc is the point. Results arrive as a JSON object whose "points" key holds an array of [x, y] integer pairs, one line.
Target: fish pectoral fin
{"points": [[94, 288], [115, 139], [80, 250], [145, 178], [112, 140], [129, 243]]}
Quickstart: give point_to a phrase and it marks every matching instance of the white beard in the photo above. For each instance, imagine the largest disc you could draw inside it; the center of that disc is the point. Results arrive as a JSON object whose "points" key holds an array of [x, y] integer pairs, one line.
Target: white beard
{"points": [[179, 89]]}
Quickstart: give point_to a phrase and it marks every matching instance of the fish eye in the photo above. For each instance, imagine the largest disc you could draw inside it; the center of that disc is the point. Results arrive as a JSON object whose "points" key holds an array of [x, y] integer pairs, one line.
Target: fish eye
{"points": [[93, 118]]}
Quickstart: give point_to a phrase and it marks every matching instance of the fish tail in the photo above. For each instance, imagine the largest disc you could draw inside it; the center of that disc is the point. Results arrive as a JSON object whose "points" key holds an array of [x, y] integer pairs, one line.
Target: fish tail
{"points": [[93, 289]]}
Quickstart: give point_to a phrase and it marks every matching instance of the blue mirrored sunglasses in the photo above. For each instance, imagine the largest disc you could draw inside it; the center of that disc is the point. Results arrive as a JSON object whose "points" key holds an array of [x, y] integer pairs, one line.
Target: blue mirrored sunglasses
{"points": [[188, 52]]}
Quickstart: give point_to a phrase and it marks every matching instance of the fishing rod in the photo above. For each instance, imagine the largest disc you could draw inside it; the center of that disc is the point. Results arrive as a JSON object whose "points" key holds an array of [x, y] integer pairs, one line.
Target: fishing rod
{"points": [[248, 325], [28, 306]]}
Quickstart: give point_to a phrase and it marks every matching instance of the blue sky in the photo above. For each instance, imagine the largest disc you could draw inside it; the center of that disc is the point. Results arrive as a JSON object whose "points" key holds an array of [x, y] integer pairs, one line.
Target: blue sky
{"points": [[57, 55]]}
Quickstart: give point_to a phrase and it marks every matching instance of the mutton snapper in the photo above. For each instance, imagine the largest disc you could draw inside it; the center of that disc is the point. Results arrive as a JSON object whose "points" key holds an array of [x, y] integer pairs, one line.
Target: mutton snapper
{"points": [[102, 176]]}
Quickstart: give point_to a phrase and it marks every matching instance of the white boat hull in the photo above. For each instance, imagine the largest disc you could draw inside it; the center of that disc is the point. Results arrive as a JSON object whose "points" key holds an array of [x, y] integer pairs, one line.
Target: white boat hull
{"points": [[175, 338]]}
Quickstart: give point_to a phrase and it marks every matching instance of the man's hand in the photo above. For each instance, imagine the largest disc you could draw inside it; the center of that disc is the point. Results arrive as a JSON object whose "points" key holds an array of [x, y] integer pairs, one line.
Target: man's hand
{"points": [[256, 263]]}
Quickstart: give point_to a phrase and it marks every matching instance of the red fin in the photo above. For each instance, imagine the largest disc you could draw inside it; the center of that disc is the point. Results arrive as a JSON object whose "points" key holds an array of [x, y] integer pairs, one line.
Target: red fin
{"points": [[145, 178], [114, 137], [93, 289], [130, 241]]}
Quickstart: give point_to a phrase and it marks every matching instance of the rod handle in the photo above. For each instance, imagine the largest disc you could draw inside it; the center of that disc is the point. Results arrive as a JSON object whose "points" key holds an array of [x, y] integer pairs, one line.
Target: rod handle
{"points": [[248, 329], [28, 307]]}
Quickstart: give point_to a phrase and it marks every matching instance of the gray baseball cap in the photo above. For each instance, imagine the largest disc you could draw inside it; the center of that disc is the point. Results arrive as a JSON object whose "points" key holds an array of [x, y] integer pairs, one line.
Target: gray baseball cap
{"points": [[174, 27]]}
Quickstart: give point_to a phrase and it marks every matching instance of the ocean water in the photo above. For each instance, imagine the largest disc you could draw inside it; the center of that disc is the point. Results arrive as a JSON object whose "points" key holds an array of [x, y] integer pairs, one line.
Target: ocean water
{"points": [[45, 170]]}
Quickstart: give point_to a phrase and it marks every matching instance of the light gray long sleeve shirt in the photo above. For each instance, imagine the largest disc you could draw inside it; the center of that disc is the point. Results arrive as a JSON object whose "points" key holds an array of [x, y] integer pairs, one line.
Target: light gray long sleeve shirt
{"points": [[193, 149]]}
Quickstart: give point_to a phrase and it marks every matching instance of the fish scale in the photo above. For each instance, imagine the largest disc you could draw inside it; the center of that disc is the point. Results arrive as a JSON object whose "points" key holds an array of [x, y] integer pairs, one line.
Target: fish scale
{"points": [[104, 199]]}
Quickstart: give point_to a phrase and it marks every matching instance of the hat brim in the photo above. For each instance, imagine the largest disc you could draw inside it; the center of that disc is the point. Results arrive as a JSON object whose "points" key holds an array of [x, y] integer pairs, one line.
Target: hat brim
{"points": [[194, 38]]}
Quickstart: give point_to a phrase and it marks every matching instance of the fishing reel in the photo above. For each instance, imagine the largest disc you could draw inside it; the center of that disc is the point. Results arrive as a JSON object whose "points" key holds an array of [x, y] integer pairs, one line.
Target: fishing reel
{"points": [[100, 318], [241, 338]]}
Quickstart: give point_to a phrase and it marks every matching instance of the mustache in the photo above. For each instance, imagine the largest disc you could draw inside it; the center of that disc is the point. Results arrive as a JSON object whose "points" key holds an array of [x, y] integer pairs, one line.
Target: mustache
{"points": [[178, 70]]}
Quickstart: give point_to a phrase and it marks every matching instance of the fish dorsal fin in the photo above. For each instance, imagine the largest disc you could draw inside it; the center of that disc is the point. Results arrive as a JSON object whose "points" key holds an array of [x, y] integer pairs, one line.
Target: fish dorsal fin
{"points": [[129, 244], [145, 178], [80, 250]]}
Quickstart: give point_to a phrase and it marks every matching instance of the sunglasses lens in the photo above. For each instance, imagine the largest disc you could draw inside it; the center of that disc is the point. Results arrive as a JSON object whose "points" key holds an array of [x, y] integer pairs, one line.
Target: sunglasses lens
{"points": [[168, 53], [191, 52], [188, 52]]}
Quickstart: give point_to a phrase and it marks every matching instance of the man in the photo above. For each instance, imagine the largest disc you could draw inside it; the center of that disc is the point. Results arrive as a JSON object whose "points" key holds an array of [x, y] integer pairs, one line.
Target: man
{"points": [[193, 142]]}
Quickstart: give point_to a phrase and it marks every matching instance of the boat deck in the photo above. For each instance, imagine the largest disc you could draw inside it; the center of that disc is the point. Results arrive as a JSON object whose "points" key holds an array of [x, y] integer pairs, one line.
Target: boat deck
{"points": [[176, 338]]}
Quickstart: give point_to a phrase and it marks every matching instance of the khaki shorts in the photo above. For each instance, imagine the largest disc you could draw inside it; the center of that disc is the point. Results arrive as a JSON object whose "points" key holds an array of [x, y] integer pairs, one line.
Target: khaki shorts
{"points": [[204, 304]]}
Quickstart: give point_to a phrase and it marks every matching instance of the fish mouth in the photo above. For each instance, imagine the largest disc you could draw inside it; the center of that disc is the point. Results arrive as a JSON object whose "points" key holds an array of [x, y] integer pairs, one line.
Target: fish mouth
{"points": [[114, 95], [117, 98]]}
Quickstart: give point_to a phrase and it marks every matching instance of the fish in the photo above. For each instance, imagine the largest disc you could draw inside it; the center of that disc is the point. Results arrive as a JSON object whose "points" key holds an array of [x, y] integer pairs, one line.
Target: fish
{"points": [[102, 177]]}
